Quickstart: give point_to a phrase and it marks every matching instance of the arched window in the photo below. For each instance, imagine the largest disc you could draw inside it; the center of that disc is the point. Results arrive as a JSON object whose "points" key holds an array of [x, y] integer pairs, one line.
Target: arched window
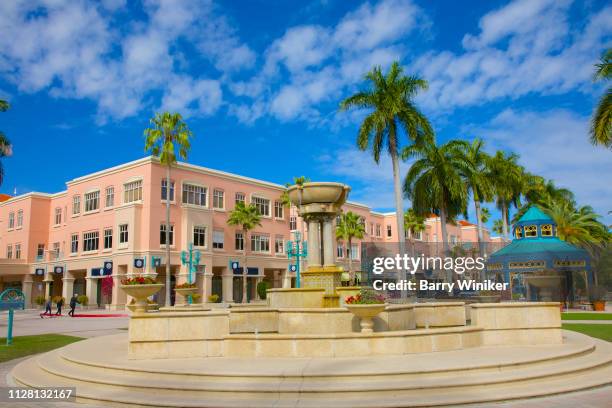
{"points": [[518, 232], [547, 230], [531, 231]]}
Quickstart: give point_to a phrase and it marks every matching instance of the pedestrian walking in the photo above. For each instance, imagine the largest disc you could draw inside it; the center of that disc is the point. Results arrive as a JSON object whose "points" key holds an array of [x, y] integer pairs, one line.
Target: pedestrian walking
{"points": [[73, 303], [60, 303], [48, 311]]}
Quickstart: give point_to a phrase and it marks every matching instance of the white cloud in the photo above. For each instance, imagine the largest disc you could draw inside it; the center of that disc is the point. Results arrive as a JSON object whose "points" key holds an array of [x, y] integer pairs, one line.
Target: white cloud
{"points": [[74, 49], [555, 145], [527, 46]]}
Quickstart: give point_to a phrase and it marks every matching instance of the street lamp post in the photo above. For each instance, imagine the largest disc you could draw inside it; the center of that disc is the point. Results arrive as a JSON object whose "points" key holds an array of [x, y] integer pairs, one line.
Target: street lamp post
{"points": [[297, 249], [191, 258]]}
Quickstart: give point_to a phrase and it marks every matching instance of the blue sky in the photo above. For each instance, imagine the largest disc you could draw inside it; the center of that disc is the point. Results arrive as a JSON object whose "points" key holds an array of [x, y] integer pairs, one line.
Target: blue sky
{"points": [[259, 84]]}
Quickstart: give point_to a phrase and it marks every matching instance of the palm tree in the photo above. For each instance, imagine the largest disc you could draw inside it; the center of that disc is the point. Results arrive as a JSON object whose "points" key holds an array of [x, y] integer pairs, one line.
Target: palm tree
{"points": [[434, 181], [247, 217], [602, 118], [390, 101], [5, 143], [539, 191], [580, 227], [167, 135], [498, 227], [507, 179], [478, 183], [413, 223], [348, 227], [485, 215]]}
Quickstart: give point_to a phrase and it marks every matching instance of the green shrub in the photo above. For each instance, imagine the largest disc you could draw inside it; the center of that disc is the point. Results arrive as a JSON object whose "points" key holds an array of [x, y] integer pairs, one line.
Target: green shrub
{"points": [[83, 300], [262, 287], [40, 300], [56, 299], [213, 298], [195, 298]]}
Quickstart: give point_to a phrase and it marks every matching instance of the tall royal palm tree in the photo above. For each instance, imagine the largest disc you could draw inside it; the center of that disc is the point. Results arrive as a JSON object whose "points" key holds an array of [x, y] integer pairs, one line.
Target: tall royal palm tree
{"points": [[391, 112], [434, 181], [5, 143], [247, 217], [478, 183], [507, 178], [167, 135], [498, 227], [539, 191], [601, 123], [348, 228]]}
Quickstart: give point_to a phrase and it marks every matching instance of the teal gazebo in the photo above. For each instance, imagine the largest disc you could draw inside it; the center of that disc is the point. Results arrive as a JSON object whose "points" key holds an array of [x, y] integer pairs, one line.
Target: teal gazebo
{"points": [[537, 264]]}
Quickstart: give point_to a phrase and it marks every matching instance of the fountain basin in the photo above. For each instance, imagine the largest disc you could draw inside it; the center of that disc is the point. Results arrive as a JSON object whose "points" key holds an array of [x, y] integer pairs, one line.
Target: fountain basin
{"points": [[319, 192]]}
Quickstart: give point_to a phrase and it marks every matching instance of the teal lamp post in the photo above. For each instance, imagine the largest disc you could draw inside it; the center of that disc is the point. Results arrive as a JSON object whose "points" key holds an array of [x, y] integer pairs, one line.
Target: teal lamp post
{"points": [[191, 258], [296, 249]]}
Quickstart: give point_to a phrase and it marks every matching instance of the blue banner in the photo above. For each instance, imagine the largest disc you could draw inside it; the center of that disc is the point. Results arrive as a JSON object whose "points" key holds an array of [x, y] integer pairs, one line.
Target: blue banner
{"points": [[108, 268], [58, 269], [96, 271], [39, 272], [250, 271]]}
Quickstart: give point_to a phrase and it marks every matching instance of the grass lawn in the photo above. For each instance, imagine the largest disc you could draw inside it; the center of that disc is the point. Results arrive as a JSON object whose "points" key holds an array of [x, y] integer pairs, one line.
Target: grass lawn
{"points": [[586, 316], [601, 331], [26, 345]]}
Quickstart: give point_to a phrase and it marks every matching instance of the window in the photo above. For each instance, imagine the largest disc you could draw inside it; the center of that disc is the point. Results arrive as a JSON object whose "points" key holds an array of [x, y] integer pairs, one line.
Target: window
{"points": [[17, 251], [339, 250], [263, 205], [355, 251], [74, 243], [218, 199], [378, 230], [418, 235], [239, 242], [162, 234], [92, 201], [239, 198], [40, 251], [372, 228], [9, 252], [260, 243], [218, 238], [531, 231], [123, 234], [547, 230], [518, 232], [278, 209], [110, 196], [76, 205], [199, 236], [292, 223], [11, 223], [164, 189], [58, 216], [90, 241], [108, 238], [195, 195], [279, 245], [389, 233], [132, 191], [56, 251], [19, 218]]}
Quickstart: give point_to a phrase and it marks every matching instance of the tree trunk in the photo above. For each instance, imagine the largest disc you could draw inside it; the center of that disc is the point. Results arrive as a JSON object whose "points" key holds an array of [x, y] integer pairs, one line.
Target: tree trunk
{"points": [[350, 261], [505, 221], [481, 249], [168, 290], [444, 237], [399, 209], [244, 268]]}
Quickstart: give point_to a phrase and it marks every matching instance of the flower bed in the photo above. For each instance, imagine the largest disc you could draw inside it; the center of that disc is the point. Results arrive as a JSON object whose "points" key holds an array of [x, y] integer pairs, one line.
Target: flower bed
{"points": [[139, 280]]}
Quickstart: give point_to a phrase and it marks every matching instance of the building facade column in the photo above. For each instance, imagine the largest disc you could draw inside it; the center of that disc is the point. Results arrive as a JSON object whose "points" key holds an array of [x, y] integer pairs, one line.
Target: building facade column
{"points": [[67, 286], [314, 245], [26, 288], [227, 286], [286, 278], [206, 285], [328, 242], [91, 290]]}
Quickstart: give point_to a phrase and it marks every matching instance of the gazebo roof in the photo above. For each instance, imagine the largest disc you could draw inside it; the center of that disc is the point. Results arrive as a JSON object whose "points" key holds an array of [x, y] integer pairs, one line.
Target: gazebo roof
{"points": [[534, 214]]}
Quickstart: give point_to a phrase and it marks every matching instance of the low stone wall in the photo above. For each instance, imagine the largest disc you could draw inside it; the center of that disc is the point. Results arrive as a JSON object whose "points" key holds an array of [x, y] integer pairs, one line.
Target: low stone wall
{"points": [[439, 314], [296, 297], [177, 334], [396, 317], [352, 344], [316, 321], [253, 320], [518, 322]]}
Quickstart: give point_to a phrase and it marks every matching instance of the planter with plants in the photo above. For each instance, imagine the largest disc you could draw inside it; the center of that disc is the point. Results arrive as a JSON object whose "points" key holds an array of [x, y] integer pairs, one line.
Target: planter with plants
{"points": [[262, 289], [83, 300], [40, 301], [140, 288], [597, 296], [366, 305], [214, 298], [184, 290]]}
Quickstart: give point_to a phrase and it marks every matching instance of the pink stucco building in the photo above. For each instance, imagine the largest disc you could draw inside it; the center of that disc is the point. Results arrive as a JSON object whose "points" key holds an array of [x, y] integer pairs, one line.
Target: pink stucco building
{"points": [[87, 238]]}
